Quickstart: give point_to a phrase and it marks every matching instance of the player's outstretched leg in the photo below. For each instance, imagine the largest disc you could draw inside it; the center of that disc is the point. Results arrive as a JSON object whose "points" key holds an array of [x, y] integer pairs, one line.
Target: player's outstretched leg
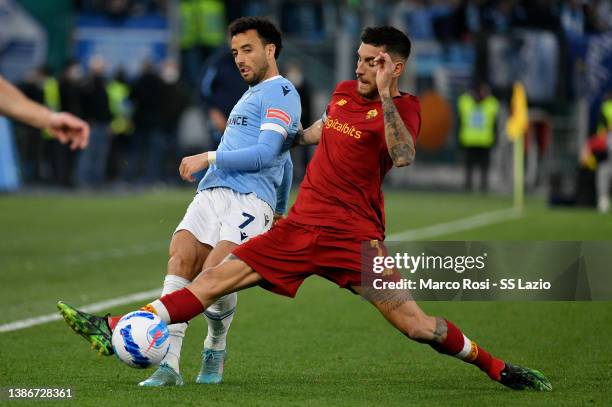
{"points": [[180, 306], [219, 317], [229, 277], [449, 340], [93, 328], [443, 336], [187, 256]]}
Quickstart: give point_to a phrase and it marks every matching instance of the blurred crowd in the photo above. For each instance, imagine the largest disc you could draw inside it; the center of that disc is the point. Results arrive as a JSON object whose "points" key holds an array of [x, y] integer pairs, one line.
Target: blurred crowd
{"points": [[422, 19], [134, 125], [136, 121], [122, 8], [459, 19]]}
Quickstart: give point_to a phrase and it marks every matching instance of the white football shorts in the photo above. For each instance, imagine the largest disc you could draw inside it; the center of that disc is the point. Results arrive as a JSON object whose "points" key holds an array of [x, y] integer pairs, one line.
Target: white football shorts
{"points": [[223, 214]]}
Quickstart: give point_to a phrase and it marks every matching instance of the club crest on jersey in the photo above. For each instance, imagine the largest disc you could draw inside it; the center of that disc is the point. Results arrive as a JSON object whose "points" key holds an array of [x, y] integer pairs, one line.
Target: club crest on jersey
{"points": [[278, 114], [341, 102], [372, 114]]}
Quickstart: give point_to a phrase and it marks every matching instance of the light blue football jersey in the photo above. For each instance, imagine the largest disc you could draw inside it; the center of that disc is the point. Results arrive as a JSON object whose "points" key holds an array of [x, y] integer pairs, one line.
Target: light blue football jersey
{"points": [[273, 104]]}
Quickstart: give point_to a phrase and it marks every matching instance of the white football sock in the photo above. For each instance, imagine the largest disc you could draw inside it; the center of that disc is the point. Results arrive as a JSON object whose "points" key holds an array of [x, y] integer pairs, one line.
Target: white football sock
{"points": [[219, 316], [177, 331]]}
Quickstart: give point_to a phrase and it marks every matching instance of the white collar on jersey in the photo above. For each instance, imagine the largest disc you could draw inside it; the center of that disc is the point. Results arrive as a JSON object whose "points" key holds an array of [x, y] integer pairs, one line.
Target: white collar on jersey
{"points": [[267, 80]]}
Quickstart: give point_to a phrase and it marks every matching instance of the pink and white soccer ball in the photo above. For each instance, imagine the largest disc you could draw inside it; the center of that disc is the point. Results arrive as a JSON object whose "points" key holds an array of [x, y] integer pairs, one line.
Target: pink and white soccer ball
{"points": [[141, 339]]}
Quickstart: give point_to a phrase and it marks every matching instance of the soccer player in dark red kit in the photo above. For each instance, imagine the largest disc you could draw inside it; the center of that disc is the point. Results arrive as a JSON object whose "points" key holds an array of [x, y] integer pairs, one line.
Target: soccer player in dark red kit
{"points": [[369, 126]]}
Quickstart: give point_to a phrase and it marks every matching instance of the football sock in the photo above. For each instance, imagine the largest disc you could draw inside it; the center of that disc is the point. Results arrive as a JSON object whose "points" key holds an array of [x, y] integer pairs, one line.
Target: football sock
{"points": [[458, 345], [177, 331], [179, 306], [112, 321], [219, 316]]}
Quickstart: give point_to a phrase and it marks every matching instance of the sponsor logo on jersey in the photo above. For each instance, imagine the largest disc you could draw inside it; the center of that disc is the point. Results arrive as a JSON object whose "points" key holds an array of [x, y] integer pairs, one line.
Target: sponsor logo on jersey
{"points": [[372, 114], [278, 114], [286, 90], [343, 128], [341, 102], [237, 120]]}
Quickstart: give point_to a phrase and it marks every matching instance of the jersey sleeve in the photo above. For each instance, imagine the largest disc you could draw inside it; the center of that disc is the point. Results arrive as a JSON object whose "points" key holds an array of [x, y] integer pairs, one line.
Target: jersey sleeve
{"points": [[255, 157], [411, 116], [328, 107], [339, 87], [281, 110], [284, 189]]}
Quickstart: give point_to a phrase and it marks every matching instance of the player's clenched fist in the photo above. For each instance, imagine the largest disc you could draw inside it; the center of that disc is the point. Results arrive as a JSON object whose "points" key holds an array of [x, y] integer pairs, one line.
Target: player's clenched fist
{"points": [[192, 164]]}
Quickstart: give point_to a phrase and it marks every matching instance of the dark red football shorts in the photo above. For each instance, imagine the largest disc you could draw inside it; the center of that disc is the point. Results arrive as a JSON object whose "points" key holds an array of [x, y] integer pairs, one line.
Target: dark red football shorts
{"points": [[290, 252]]}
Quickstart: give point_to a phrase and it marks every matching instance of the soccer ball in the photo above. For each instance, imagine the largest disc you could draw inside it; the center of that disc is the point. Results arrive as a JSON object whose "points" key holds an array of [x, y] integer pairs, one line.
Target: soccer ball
{"points": [[141, 339]]}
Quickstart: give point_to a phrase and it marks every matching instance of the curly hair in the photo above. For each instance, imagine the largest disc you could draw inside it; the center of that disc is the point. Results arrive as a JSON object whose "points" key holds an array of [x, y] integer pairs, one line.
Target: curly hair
{"points": [[267, 32]]}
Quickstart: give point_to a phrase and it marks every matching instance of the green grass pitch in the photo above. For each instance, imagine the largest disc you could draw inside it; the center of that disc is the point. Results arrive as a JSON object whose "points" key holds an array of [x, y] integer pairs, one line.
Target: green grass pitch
{"points": [[326, 347]]}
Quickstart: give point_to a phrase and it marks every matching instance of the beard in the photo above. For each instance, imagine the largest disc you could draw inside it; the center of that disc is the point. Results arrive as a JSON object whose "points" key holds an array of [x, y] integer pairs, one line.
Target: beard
{"points": [[370, 93], [258, 74]]}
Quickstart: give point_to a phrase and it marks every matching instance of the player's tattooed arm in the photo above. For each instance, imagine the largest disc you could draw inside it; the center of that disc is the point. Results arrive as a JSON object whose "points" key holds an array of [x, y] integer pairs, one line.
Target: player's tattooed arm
{"points": [[399, 140], [308, 136]]}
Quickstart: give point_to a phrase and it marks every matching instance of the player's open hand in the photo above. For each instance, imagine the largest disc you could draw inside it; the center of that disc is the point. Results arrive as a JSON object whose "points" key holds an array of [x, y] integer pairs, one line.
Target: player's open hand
{"points": [[384, 72], [192, 164], [69, 129]]}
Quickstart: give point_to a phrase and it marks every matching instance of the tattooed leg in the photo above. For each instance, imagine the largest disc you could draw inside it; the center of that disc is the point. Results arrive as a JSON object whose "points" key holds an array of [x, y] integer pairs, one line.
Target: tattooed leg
{"points": [[439, 334], [405, 315]]}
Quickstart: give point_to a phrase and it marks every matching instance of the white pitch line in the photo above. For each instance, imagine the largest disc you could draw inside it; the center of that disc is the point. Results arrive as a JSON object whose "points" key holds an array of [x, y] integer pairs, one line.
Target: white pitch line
{"points": [[459, 225], [95, 307]]}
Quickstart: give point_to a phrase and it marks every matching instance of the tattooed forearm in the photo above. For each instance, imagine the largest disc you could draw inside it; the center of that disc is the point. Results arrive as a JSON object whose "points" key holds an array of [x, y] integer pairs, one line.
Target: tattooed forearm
{"points": [[401, 150], [399, 141], [439, 334]]}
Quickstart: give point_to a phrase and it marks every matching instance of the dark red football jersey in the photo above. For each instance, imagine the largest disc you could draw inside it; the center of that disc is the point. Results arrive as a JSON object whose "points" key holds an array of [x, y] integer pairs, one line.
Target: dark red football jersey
{"points": [[342, 187]]}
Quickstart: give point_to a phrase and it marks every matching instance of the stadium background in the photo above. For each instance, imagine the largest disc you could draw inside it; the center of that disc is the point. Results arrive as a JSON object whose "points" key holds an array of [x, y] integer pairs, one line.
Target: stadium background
{"points": [[103, 241]]}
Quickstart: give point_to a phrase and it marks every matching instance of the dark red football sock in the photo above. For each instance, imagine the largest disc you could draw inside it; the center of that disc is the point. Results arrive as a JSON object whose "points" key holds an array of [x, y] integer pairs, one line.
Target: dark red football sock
{"points": [[112, 321], [458, 345], [182, 305]]}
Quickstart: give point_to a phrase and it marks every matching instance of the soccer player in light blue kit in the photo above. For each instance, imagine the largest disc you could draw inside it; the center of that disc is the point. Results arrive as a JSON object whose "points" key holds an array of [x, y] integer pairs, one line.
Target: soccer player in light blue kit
{"points": [[244, 189], [237, 197]]}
